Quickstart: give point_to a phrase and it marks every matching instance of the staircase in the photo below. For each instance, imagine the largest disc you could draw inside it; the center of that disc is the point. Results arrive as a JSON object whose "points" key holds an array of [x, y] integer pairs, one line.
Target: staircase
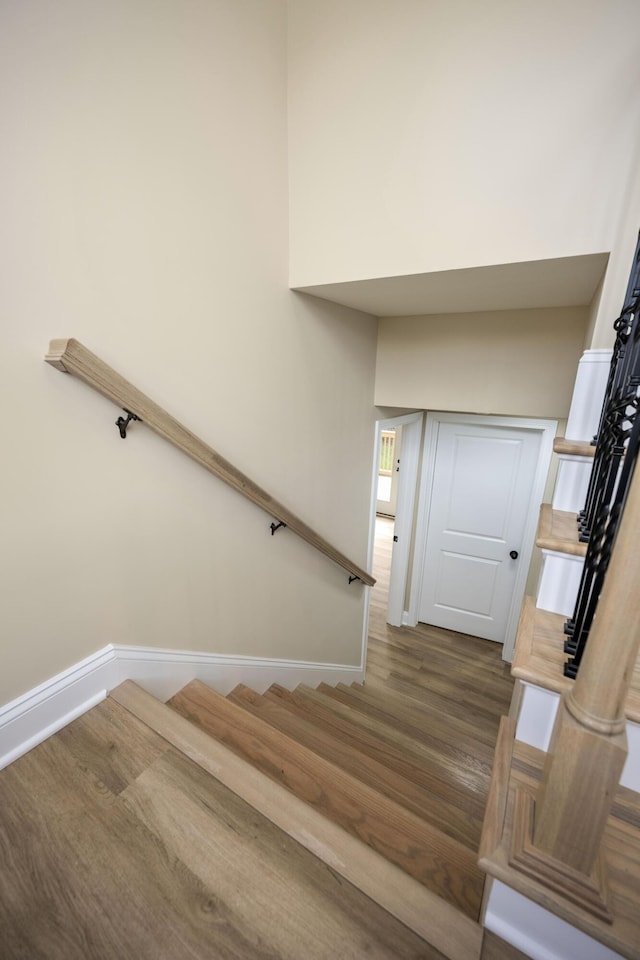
{"points": [[539, 656], [563, 905], [330, 822], [359, 777]]}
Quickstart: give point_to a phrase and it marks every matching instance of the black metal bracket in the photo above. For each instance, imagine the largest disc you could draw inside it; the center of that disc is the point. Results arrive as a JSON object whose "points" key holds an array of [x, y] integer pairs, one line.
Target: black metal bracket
{"points": [[122, 424], [351, 579], [276, 526]]}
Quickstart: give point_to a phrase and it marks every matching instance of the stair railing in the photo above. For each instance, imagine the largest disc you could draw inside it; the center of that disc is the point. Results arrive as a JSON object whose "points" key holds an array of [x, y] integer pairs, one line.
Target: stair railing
{"points": [[620, 391], [70, 356], [617, 446], [565, 825]]}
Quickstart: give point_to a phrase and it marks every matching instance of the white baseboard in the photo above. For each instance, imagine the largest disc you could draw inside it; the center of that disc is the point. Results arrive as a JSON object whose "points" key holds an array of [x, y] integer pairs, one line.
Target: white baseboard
{"points": [[164, 672], [27, 721], [31, 718], [537, 932]]}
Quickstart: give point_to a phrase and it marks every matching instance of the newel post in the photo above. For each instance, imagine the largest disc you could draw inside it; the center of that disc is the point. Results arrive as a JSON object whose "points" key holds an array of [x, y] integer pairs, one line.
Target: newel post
{"points": [[588, 746]]}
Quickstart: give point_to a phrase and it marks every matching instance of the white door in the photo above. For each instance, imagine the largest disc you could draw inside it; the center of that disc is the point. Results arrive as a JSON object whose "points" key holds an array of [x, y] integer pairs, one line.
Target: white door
{"points": [[481, 498]]}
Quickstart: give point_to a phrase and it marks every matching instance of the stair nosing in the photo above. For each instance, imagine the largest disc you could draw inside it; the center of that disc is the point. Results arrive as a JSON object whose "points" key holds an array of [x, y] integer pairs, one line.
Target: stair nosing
{"points": [[574, 448], [547, 537]]}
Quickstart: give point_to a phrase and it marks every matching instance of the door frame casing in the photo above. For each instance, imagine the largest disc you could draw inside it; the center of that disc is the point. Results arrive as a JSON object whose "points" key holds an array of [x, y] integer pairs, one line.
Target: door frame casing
{"points": [[547, 429]]}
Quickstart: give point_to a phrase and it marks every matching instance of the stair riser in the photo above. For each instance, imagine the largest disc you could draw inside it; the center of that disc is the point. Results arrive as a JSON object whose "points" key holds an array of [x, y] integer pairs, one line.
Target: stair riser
{"points": [[572, 482], [559, 582], [536, 716]]}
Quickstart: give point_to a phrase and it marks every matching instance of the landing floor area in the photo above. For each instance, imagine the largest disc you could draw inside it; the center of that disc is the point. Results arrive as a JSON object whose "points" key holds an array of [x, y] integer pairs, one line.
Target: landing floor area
{"points": [[452, 687]]}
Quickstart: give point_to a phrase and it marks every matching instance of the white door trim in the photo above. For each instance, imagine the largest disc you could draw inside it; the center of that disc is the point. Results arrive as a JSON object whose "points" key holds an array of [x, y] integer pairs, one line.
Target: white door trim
{"points": [[405, 511], [547, 429]]}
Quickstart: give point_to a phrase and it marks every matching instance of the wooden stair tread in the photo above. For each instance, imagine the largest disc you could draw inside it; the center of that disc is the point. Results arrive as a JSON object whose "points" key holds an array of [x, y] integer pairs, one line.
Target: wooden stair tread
{"points": [[495, 948], [574, 448], [417, 719], [476, 722], [228, 846], [424, 852], [519, 767], [476, 757], [539, 656], [428, 915], [485, 705], [435, 675], [108, 742], [558, 531], [470, 658], [472, 664], [412, 751], [457, 813]]}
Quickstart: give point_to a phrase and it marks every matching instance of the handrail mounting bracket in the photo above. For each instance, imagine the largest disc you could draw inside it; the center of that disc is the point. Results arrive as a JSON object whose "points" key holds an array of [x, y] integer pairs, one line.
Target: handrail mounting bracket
{"points": [[122, 423]]}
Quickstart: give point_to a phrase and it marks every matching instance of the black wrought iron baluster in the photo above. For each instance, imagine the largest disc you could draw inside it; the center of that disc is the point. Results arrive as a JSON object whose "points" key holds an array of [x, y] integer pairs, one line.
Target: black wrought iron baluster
{"points": [[595, 568], [609, 453], [623, 362], [599, 553], [618, 444]]}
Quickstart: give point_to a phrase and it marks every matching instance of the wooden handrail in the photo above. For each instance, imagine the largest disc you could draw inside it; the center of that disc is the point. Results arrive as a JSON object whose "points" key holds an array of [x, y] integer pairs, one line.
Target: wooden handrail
{"points": [[72, 357]]}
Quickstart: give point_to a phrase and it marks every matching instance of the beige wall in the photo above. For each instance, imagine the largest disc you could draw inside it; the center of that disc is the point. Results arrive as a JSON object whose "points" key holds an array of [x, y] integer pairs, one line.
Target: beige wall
{"points": [[442, 135], [144, 196], [594, 308], [514, 362], [611, 300]]}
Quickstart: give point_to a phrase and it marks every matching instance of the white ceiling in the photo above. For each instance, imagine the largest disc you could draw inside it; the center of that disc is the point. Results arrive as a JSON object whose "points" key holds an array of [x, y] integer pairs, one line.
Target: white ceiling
{"points": [[562, 282]]}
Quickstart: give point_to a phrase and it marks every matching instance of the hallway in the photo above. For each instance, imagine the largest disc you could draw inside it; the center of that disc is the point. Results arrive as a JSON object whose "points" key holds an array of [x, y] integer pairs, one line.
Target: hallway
{"points": [[446, 690]]}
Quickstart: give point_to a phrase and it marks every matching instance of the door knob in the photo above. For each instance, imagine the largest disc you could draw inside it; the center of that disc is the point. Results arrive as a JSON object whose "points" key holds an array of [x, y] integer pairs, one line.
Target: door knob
{"points": [[514, 554]]}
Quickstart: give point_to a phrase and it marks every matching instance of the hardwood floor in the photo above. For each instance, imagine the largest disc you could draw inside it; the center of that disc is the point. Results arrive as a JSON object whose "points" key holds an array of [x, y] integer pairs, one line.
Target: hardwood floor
{"points": [[390, 817], [115, 845], [453, 686], [402, 762], [442, 693]]}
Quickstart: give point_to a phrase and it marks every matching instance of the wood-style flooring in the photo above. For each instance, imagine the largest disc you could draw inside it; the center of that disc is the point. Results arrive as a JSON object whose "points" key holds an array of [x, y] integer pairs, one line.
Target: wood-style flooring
{"points": [[443, 689], [113, 844], [457, 686]]}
